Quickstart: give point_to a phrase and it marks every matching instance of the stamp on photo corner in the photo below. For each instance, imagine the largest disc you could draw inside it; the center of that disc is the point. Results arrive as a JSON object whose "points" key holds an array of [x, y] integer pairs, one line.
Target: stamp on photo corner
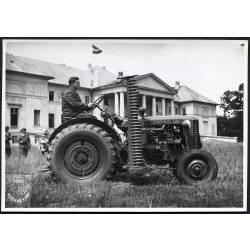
{"points": [[18, 190]]}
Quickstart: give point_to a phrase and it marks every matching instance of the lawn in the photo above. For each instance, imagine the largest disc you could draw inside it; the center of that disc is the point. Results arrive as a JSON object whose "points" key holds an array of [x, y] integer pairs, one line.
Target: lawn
{"points": [[159, 189]]}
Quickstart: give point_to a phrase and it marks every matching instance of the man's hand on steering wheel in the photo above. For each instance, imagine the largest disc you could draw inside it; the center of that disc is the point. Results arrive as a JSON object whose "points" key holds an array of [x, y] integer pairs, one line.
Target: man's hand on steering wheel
{"points": [[94, 104], [91, 105]]}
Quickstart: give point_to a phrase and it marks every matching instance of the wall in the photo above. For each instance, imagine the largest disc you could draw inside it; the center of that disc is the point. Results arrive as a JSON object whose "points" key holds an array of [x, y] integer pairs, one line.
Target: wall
{"points": [[220, 138], [210, 121], [204, 109], [27, 92], [206, 113], [30, 93], [189, 108]]}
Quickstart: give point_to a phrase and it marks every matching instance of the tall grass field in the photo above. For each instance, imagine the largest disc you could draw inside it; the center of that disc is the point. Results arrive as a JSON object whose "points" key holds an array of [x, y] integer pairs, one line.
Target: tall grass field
{"points": [[158, 189]]}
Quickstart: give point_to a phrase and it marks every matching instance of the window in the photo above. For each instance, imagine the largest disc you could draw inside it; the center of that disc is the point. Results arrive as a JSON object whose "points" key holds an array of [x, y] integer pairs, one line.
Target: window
{"points": [[106, 100], [169, 110], [86, 99], [14, 117], [157, 108], [51, 95], [184, 111], [37, 117], [51, 120], [176, 111]]}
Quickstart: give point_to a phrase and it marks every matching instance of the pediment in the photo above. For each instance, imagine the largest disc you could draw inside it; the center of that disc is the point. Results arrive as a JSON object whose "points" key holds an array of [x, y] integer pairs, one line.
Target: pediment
{"points": [[153, 82]]}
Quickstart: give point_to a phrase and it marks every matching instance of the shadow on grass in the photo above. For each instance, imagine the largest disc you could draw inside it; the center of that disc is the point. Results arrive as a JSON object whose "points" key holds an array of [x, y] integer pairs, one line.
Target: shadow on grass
{"points": [[156, 177]]}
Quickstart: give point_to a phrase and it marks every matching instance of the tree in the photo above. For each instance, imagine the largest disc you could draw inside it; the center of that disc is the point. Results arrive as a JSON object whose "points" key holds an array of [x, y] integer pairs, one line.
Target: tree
{"points": [[231, 123], [232, 102]]}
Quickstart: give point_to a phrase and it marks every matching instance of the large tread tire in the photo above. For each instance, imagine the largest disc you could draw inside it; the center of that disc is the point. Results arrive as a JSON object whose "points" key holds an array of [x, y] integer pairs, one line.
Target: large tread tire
{"points": [[196, 165], [82, 153]]}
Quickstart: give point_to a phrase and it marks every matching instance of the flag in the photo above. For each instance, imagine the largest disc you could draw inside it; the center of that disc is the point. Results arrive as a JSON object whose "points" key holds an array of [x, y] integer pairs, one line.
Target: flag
{"points": [[96, 50]]}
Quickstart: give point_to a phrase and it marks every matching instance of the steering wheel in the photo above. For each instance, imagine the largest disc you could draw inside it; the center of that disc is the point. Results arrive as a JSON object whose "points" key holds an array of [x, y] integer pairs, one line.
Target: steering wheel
{"points": [[98, 100]]}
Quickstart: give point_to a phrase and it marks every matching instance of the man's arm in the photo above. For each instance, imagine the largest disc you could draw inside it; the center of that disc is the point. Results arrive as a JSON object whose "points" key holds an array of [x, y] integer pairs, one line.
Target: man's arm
{"points": [[9, 136], [20, 139], [71, 100]]}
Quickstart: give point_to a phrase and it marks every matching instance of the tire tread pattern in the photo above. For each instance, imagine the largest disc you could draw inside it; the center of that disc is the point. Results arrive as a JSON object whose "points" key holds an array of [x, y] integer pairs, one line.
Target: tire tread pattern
{"points": [[110, 143]]}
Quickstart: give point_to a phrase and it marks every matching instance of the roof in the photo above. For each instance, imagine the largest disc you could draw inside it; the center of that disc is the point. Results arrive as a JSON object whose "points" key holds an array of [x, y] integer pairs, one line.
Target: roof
{"points": [[60, 72], [185, 94], [17, 64]]}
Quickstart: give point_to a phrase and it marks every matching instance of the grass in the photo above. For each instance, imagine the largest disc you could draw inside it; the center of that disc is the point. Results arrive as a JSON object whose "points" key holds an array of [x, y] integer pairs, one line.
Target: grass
{"points": [[159, 189]]}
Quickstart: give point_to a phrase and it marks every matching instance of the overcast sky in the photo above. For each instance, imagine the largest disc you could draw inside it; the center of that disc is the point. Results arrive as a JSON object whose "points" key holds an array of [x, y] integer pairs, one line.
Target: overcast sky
{"points": [[209, 67]]}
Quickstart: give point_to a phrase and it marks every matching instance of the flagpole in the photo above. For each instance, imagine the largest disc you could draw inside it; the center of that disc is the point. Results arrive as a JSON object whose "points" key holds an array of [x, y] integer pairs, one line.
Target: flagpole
{"points": [[92, 57], [92, 66]]}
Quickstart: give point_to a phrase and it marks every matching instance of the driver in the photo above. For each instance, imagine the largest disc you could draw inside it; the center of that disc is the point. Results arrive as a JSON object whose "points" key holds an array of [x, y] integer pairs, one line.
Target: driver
{"points": [[72, 106]]}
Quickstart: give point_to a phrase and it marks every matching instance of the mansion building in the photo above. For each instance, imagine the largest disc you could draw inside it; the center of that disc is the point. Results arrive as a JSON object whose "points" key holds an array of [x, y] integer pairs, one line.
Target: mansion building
{"points": [[34, 91]]}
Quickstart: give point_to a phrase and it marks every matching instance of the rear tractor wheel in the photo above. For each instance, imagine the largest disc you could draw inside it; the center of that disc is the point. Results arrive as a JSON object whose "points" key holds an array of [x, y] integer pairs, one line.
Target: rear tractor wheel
{"points": [[82, 153]]}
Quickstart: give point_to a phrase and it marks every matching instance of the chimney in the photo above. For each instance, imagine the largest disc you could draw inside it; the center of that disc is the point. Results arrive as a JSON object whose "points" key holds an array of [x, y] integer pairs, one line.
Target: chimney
{"points": [[177, 85], [104, 67], [120, 73]]}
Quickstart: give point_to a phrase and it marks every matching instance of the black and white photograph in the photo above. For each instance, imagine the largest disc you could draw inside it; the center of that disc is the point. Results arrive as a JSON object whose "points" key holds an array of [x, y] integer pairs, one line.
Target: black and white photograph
{"points": [[127, 125]]}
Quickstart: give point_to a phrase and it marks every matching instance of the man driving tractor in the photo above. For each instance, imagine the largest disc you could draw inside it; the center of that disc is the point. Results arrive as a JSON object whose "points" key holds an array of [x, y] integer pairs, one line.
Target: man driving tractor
{"points": [[72, 106]]}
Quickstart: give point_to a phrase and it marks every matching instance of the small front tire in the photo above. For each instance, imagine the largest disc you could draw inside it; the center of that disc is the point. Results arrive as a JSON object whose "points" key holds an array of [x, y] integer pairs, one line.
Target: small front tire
{"points": [[196, 165]]}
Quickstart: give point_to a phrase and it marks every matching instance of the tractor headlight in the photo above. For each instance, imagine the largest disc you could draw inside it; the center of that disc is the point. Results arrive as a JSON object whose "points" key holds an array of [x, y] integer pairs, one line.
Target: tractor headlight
{"points": [[186, 124]]}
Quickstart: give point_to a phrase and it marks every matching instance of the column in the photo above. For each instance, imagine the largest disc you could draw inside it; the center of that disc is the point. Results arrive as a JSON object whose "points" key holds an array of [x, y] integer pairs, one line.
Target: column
{"points": [[163, 105], [153, 106], [116, 108], [122, 111], [144, 101], [172, 107]]}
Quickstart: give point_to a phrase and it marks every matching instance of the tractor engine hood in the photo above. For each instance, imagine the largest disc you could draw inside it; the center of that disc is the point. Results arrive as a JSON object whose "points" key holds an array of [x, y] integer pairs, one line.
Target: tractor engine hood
{"points": [[164, 120]]}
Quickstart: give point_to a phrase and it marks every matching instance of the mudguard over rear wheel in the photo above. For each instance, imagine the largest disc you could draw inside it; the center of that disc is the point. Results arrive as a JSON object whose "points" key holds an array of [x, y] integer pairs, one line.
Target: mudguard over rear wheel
{"points": [[196, 165], [82, 153]]}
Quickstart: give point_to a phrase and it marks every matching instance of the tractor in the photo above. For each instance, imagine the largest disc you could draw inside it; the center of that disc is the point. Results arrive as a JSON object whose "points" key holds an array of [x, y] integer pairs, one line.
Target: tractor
{"points": [[88, 150]]}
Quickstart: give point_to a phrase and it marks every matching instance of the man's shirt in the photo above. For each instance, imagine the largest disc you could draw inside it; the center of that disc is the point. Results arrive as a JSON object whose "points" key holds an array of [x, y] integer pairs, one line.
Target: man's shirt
{"points": [[72, 104], [24, 141]]}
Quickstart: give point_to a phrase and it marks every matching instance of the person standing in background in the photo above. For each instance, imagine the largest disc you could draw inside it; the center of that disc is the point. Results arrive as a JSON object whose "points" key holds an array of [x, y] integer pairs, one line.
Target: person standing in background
{"points": [[24, 142], [7, 142]]}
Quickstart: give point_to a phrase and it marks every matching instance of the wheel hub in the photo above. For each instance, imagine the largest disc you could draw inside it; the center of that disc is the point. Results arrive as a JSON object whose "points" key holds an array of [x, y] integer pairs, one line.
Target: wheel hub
{"points": [[81, 158], [197, 169]]}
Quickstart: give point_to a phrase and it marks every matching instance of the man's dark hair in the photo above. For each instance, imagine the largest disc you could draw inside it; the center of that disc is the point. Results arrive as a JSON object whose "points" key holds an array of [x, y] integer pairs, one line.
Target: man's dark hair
{"points": [[73, 79]]}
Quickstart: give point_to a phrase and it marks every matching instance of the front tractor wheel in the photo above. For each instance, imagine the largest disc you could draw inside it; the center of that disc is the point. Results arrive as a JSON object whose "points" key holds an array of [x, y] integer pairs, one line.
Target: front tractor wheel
{"points": [[196, 165], [82, 153]]}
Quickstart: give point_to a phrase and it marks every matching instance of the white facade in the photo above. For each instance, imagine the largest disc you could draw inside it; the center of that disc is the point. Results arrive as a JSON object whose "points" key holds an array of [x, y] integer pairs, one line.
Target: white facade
{"points": [[206, 114], [37, 101]]}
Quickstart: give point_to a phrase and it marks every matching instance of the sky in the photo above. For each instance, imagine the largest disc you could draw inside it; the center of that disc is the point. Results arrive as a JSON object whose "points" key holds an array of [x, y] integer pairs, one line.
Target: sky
{"points": [[209, 67]]}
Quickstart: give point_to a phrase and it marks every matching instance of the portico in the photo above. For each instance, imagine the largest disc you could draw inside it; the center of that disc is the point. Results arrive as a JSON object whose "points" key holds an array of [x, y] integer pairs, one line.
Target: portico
{"points": [[155, 96], [154, 105]]}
